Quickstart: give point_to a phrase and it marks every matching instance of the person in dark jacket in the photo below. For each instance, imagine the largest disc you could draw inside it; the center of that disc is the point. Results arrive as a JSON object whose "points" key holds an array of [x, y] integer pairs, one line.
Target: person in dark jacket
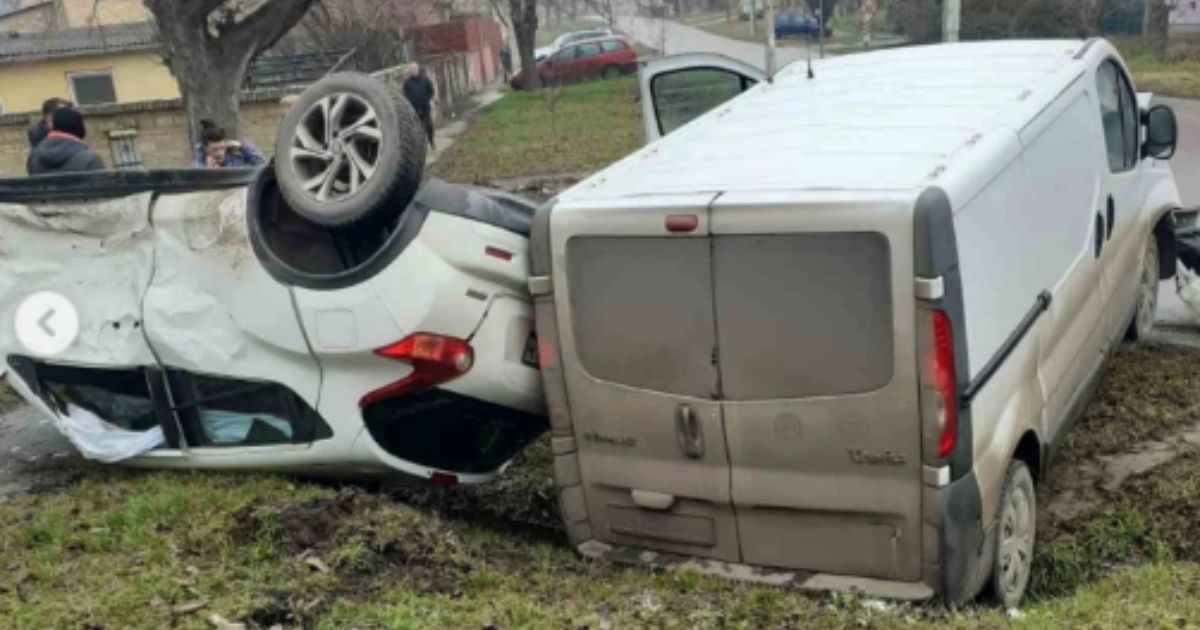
{"points": [[63, 150], [38, 132], [419, 91], [215, 150]]}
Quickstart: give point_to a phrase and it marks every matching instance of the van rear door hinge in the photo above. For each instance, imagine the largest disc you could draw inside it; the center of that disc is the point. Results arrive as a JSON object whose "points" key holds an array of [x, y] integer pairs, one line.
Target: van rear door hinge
{"points": [[929, 288]]}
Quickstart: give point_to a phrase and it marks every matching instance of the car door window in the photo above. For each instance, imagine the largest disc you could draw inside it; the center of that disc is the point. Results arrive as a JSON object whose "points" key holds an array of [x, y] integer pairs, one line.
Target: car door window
{"points": [[1119, 116], [588, 50], [683, 95], [128, 399], [219, 411], [564, 55], [612, 45]]}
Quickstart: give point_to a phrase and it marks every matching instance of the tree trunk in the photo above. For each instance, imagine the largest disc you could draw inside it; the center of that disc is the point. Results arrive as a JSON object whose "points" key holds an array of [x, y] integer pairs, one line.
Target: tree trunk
{"points": [[210, 54], [1157, 27], [525, 23]]}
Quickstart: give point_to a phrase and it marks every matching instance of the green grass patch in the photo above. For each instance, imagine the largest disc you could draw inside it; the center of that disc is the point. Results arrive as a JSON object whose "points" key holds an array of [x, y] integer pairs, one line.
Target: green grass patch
{"points": [[1178, 75], [128, 549], [572, 130]]}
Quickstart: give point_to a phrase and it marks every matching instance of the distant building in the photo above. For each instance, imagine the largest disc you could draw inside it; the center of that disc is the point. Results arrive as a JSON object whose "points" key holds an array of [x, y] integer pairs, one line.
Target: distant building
{"points": [[94, 52], [91, 65], [1186, 16], [36, 16]]}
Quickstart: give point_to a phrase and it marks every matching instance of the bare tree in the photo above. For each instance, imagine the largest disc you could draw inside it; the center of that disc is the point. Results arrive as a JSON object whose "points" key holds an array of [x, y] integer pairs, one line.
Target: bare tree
{"points": [[1157, 26], [606, 9], [524, 16], [209, 44], [375, 30]]}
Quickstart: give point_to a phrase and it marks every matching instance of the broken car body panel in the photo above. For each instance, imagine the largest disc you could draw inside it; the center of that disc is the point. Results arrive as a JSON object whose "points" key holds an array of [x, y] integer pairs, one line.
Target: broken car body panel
{"points": [[246, 370]]}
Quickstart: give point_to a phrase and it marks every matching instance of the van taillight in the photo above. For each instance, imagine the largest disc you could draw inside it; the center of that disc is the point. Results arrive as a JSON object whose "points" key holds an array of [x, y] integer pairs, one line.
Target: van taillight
{"points": [[435, 360], [944, 381]]}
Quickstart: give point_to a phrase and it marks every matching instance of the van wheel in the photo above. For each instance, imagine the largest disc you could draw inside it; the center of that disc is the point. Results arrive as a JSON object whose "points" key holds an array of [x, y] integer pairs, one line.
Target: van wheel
{"points": [[1016, 526], [349, 151], [1147, 298], [612, 72]]}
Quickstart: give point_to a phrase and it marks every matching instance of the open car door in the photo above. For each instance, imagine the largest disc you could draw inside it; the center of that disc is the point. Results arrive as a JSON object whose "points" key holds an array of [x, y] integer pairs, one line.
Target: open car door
{"points": [[677, 89]]}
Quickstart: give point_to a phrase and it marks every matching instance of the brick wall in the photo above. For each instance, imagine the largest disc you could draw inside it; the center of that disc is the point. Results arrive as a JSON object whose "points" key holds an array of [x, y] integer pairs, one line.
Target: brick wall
{"points": [[480, 37], [159, 131]]}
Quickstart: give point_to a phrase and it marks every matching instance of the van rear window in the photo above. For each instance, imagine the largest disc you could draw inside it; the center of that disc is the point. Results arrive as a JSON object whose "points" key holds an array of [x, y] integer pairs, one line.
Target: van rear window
{"points": [[803, 315]]}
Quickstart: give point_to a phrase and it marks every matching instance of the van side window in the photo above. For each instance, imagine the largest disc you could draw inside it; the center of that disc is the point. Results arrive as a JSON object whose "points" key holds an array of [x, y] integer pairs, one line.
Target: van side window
{"points": [[1119, 115]]}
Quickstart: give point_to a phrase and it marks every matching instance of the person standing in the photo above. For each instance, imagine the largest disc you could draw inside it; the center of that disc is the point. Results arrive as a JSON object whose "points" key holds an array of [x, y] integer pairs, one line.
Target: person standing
{"points": [[38, 132], [63, 150], [867, 12], [419, 91]]}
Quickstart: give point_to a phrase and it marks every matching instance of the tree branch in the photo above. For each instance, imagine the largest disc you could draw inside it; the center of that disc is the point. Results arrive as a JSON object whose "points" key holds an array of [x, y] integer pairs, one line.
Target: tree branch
{"points": [[264, 27]]}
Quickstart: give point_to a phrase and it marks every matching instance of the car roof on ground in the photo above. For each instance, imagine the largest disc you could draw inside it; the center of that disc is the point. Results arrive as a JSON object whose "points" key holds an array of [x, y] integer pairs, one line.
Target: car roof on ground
{"points": [[883, 121]]}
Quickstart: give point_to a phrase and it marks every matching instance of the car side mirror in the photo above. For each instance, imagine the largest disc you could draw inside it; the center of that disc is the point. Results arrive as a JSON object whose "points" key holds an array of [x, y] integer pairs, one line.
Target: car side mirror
{"points": [[1162, 133]]}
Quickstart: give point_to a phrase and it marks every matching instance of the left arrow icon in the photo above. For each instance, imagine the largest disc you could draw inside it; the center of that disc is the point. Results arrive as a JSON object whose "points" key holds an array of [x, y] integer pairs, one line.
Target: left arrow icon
{"points": [[42, 322]]}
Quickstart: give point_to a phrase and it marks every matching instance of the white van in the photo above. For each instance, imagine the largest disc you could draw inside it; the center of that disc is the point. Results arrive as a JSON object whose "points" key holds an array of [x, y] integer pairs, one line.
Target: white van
{"points": [[830, 332]]}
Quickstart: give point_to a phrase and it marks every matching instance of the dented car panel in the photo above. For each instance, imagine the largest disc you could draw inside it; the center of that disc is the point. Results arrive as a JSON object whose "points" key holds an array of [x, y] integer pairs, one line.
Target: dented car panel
{"points": [[243, 369]]}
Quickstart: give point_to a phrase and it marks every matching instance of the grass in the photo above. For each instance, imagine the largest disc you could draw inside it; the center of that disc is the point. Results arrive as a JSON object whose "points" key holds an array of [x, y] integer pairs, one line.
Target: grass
{"points": [[1178, 75], [525, 134], [128, 549]]}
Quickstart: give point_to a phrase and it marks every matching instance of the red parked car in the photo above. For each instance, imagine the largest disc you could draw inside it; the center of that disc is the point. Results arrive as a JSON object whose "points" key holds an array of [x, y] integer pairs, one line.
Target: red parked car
{"points": [[607, 57]]}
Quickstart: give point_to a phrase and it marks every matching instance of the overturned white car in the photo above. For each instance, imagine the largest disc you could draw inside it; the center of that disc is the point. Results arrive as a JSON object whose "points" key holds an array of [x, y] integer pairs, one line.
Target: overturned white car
{"points": [[327, 314]]}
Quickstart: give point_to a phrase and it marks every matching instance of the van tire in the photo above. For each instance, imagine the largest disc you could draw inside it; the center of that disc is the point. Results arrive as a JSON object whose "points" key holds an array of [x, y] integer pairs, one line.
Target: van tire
{"points": [[1016, 529], [387, 152], [612, 72], [1142, 323]]}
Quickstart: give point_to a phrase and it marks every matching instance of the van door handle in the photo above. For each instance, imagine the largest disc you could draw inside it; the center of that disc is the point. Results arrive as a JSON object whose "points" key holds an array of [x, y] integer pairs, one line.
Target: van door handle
{"points": [[1112, 217], [688, 432], [1099, 234]]}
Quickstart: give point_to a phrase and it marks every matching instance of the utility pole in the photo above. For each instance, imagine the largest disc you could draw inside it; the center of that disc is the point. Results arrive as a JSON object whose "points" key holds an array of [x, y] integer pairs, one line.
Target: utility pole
{"points": [[753, 15], [770, 40], [951, 20], [821, 31]]}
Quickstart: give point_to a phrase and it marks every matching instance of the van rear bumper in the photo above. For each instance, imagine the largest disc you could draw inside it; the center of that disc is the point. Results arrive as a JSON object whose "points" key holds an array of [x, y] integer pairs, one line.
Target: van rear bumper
{"points": [[819, 582]]}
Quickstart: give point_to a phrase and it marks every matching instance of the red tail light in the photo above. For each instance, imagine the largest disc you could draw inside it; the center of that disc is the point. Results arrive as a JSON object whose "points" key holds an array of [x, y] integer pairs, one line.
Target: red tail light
{"points": [[944, 381], [435, 360]]}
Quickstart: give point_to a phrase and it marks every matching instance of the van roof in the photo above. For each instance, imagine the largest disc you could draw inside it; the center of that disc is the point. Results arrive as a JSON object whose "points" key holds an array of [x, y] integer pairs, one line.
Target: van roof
{"points": [[880, 121]]}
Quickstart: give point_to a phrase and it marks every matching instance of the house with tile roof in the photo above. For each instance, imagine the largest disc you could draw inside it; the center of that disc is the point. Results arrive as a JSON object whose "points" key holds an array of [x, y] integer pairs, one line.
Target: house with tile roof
{"points": [[93, 52]]}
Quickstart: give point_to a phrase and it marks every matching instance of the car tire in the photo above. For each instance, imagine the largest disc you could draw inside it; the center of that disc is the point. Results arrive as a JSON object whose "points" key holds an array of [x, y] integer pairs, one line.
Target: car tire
{"points": [[611, 72], [1016, 529], [1146, 303], [351, 150]]}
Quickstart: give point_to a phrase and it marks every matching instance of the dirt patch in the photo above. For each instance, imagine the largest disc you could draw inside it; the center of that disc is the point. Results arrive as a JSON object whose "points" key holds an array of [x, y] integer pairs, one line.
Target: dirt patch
{"points": [[540, 189], [359, 538], [521, 499], [1150, 392]]}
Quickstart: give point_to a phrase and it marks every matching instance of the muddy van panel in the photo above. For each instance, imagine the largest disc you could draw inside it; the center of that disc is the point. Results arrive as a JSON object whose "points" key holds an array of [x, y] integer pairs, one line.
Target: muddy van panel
{"points": [[633, 290], [815, 343]]}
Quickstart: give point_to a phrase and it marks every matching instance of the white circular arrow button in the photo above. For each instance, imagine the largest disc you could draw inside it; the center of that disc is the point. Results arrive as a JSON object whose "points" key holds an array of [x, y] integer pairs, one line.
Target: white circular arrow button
{"points": [[47, 323]]}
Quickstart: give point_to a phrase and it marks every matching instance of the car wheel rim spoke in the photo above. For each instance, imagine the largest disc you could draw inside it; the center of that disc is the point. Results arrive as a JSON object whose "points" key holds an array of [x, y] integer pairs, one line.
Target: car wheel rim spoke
{"points": [[336, 147]]}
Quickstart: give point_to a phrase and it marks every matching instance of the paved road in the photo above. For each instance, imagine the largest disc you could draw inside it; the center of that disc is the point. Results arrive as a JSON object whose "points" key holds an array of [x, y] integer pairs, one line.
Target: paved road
{"points": [[1178, 321], [673, 39]]}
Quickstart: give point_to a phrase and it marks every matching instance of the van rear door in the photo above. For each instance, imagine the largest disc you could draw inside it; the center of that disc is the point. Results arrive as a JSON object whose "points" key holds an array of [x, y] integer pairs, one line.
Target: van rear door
{"points": [[637, 338], [816, 341]]}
